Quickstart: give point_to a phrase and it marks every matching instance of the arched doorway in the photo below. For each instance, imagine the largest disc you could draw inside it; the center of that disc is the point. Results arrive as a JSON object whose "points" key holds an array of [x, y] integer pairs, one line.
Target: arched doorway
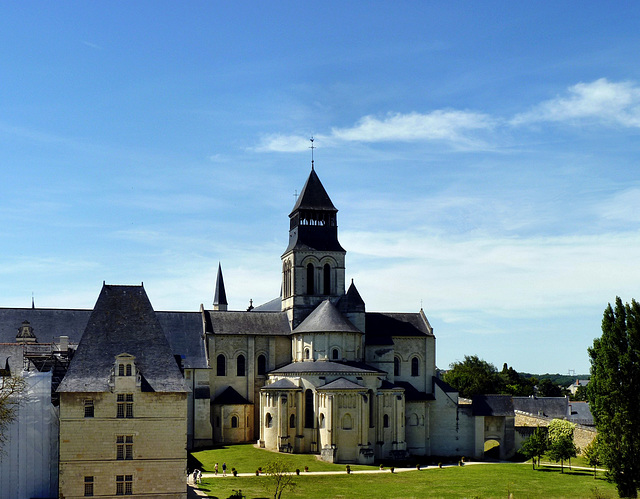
{"points": [[492, 449]]}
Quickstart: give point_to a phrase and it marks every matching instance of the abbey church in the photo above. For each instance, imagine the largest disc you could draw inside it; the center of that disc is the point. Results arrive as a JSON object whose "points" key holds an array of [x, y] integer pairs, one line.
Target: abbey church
{"points": [[311, 371]]}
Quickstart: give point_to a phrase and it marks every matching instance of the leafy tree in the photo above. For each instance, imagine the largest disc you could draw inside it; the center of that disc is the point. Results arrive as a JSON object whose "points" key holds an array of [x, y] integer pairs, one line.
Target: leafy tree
{"points": [[474, 376], [547, 388], [592, 454], [11, 389], [561, 449], [581, 393], [560, 428], [279, 478], [614, 397], [516, 384], [535, 446]]}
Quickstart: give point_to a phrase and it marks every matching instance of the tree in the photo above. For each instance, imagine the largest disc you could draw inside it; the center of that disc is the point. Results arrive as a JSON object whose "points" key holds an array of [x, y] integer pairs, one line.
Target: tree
{"points": [[614, 397], [562, 449], [474, 376], [592, 454], [11, 389], [547, 388], [279, 478], [581, 393], [535, 446]]}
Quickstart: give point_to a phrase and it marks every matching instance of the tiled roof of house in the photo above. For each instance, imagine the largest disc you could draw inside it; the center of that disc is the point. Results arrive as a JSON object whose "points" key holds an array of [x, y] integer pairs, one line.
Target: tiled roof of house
{"points": [[281, 384], [48, 323], [184, 332], [123, 321]]}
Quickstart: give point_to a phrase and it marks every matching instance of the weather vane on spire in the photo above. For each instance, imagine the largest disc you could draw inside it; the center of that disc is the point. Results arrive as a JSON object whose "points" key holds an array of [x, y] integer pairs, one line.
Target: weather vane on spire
{"points": [[312, 147]]}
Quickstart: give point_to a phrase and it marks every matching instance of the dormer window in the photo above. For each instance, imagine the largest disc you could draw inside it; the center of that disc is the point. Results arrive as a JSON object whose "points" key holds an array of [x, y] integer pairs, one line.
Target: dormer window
{"points": [[125, 364]]}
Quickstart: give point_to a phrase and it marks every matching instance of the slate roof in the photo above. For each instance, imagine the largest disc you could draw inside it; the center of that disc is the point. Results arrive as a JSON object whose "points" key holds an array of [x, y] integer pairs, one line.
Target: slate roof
{"points": [[48, 323], [184, 332], [325, 366], [123, 321], [445, 387], [230, 397], [220, 295], [380, 328], [341, 384], [281, 384], [313, 196], [11, 354], [412, 394], [326, 318], [274, 305], [262, 323], [492, 405], [580, 413], [552, 407], [351, 301], [182, 329]]}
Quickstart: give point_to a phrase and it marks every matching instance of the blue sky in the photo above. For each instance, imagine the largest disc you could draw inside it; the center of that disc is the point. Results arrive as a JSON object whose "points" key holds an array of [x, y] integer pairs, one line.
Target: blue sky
{"points": [[483, 156]]}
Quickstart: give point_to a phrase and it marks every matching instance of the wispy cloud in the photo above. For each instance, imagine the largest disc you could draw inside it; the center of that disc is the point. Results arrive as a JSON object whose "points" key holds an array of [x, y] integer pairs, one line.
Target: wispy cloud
{"points": [[601, 100], [453, 127]]}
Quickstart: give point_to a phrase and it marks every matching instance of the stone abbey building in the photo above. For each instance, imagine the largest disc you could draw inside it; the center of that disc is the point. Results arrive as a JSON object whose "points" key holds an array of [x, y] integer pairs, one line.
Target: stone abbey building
{"points": [[311, 371]]}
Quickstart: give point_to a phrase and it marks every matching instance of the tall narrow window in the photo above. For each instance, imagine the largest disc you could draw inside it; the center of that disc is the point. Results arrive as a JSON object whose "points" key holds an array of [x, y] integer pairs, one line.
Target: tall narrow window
{"points": [[308, 409], [124, 447], [327, 279], [386, 421], [307, 353], [88, 486], [88, 408], [124, 405], [221, 365], [240, 365], [120, 369], [335, 355], [415, 367], [268, 421], [234, 421], [372, 412], [292, 421], [396, 366], [310, 283], [128, 369], [262, 365]]}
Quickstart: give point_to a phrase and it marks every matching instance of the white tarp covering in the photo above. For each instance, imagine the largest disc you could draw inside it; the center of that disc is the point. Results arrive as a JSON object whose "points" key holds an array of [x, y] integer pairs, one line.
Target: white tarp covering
{"points": [[29, 459]]}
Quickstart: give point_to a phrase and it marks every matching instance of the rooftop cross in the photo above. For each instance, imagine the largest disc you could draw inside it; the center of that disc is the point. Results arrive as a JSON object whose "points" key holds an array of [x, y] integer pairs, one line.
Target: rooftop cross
{"points": [[312, 147]]}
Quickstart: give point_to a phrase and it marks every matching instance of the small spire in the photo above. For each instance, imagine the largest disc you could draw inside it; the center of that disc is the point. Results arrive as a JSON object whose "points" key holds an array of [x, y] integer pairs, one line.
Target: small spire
{"points": [[33, 301], [250, 308], [220, 295], [312, 147]]}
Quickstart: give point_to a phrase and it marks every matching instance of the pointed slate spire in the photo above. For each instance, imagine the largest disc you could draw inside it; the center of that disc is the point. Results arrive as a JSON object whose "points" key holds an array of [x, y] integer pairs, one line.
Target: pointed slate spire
{"points": [[220, 295]]}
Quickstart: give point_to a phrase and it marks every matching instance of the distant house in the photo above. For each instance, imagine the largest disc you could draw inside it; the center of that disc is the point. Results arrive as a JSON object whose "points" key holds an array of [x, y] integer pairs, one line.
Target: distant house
{"points": [[573, 387]]}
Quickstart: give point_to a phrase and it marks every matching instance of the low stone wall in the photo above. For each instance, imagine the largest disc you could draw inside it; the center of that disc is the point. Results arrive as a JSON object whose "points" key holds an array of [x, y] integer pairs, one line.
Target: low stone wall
{"points": [[582, 435]]}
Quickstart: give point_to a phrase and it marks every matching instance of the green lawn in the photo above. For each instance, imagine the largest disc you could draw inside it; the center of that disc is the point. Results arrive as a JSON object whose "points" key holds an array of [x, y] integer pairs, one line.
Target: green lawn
{"points": [[471, 481]]}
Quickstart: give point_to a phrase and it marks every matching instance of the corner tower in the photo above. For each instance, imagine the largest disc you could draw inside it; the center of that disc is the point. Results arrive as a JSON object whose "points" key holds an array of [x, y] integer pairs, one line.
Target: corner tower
{"points": [[313, 263]]}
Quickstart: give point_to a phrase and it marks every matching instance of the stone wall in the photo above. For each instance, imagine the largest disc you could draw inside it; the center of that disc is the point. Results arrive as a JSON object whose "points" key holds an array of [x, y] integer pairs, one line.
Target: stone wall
{"points": [[582, 435]]}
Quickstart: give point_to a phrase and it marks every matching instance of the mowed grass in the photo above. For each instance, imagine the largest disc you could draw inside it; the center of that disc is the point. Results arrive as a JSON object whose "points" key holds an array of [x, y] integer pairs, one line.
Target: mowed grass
{"points": [[247, 458], [469, 481]]}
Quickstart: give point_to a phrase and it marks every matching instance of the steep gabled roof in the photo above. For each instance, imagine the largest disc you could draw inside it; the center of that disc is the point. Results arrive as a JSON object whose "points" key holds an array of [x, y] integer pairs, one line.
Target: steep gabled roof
{"points": [[326, 318], [351, 301], [313, 196], [123, 321]]}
